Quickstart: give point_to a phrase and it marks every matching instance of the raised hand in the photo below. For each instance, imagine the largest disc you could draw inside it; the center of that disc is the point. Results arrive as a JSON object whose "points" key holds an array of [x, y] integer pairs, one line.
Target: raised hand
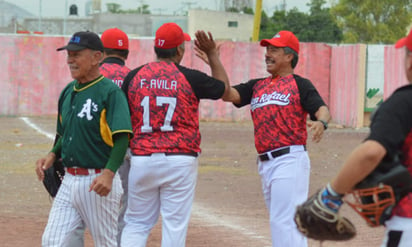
{"points": [[202, 55], [205, 42]]}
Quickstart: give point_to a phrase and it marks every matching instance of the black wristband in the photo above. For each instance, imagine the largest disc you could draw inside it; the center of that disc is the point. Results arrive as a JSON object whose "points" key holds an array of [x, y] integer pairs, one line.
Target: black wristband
{"points": [[325, 124]]}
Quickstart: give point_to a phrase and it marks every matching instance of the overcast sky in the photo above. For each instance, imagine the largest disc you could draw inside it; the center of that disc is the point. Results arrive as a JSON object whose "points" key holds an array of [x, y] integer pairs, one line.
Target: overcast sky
{"points": [[57, 8]]}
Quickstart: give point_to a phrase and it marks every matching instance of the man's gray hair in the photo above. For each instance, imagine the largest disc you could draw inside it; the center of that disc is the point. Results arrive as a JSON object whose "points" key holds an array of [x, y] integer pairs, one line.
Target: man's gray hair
{"points": [[295, 59]]}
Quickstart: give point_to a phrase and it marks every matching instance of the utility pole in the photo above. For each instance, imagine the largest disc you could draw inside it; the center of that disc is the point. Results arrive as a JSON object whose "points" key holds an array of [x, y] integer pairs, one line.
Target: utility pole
{"points": [[2, 24], [189, 4], [65, 17], [283, 5], [40, 16], [256, 21], [160, 10], [142, 2]]}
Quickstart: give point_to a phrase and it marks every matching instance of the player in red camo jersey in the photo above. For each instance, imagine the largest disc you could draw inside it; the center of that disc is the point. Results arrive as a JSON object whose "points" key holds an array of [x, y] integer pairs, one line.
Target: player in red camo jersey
{"points": [[164, 100], [280, 104], [116, 51]]}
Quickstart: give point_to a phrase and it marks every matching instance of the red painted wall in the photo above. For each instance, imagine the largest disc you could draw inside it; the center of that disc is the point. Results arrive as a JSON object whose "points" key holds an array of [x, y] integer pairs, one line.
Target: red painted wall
{"points": [[344, 85], [34, 73]]}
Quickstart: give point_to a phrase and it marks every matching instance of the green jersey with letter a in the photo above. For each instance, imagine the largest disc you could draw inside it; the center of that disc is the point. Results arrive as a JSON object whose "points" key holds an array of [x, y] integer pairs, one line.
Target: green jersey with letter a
{"points": [[88, 117]]}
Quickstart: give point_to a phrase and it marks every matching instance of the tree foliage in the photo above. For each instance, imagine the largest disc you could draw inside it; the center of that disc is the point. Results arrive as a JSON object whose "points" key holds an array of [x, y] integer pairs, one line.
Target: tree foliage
{"points": [[323, 26], [248, 10], [245, 10], [317, 26], [144, 9], [266, 26], [115, 8], [373, 21]]}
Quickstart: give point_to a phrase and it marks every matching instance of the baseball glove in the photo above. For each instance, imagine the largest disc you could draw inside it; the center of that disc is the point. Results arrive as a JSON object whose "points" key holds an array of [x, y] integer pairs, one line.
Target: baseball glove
{"points": [[316, 221], [53, 177]]}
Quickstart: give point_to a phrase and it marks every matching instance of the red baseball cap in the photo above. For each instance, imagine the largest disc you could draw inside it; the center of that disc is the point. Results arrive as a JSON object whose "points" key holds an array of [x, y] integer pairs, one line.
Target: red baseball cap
{"points": [[170, 35], [283, 39], [406, 41], [114, 38]]}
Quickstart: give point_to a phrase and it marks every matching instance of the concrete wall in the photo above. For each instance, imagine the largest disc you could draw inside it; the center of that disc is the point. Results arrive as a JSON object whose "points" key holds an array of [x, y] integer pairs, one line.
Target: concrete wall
{"points": [[132, 24], [59, 26], [138, 25], [218, 23]]}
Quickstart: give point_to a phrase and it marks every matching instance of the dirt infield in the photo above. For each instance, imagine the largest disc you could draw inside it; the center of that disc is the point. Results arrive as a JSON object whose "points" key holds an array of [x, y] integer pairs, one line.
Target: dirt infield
{"points": [[228, 209]]}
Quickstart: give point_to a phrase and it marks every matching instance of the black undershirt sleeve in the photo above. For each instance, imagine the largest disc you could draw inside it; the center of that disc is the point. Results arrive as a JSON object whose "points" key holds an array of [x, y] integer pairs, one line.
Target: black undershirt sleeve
{"points": [[245, 91], [392, 121], [203, 85], [310, 98]]}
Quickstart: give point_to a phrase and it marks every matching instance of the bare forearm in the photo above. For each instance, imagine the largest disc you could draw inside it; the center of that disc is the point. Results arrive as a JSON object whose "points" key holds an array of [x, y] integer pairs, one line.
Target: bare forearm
{"points": [[217, 69], [231, 95], [323, 114], [362, 161]]}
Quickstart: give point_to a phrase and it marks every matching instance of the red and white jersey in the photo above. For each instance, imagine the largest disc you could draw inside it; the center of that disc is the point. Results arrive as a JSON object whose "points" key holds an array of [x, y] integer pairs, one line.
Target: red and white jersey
{"points": [[114, 69], [404, 207], [164, 102], [279, 108]]}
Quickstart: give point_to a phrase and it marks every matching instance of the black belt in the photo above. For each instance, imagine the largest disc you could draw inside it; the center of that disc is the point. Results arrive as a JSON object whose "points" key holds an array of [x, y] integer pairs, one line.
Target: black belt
{"points": [[277, 153], [190, 154], [194, 154]]}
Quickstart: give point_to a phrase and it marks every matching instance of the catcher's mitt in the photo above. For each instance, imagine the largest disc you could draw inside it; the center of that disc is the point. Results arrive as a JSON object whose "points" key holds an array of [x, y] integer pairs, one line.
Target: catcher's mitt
{"points": [[315, 220], [53, 177]]}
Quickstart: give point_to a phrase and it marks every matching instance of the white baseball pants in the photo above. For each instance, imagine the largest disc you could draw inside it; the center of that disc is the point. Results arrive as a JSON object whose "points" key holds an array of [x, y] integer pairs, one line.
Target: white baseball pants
{"points": [[75, 206], [398, 232], [124, 177], [162, 184], [285, 184], [76, 238]]}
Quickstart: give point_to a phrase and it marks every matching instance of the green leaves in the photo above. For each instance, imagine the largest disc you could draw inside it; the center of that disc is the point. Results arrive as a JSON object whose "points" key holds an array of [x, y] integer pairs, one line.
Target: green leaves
{"points": [[345, 21], [317, 26], [372, 21]]}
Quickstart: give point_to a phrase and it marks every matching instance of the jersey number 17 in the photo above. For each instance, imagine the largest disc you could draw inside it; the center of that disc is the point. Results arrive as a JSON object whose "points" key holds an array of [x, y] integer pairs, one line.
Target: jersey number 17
{"points": [[160, 101]]}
